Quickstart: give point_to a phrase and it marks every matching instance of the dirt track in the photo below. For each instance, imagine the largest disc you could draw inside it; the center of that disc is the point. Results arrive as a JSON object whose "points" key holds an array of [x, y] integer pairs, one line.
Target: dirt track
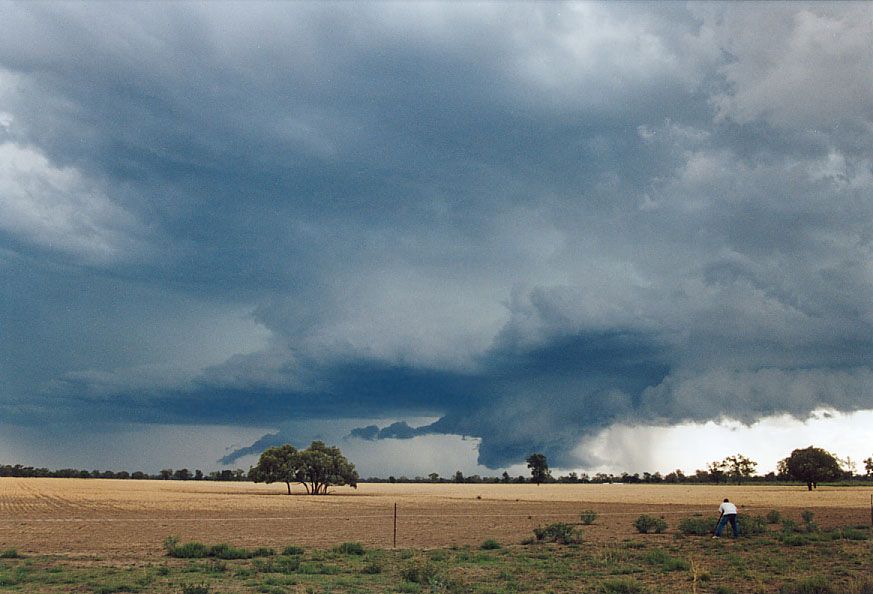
{"points": [[128, 520]]}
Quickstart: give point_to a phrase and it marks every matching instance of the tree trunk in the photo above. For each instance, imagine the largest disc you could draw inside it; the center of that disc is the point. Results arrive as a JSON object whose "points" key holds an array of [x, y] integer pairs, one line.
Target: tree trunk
{"points": [[809, 486], [288, 484]]}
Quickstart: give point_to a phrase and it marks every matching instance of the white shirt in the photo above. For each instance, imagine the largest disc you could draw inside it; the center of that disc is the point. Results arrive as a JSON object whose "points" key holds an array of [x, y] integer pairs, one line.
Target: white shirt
{"points": [[727, 508]]}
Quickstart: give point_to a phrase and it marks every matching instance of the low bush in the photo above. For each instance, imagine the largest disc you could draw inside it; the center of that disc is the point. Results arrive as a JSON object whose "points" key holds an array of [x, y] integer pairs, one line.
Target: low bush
{"points": [[560, 533], [854, 534], [698, 525], [489, 545], [816, 585], [372, 568], [665, 561], [286, 565], [198, 550], [753, 525], [195, 589], [419, 573], [292, 550], [773, 517], [646, 524], [10, 554], [588, 516], [622, 586], [350, 548]]}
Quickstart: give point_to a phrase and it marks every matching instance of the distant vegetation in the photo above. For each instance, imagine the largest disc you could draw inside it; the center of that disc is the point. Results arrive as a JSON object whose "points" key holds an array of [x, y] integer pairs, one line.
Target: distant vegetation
{"points": [[809, 466]]}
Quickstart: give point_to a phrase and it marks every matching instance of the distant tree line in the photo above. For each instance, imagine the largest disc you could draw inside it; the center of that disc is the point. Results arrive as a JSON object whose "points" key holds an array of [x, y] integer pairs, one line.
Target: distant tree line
{"points": [[166, 474], [809, 465]]}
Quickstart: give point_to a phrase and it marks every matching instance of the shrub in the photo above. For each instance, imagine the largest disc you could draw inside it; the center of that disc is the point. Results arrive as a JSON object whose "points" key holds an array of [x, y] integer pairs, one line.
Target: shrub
{"points": [[195, 588], [198, 550], [489, 545], [622, 586], [588, 516], [278, 565], [560, 533], [645, 524], [10, 554], [753, 525], [419, 573], [350, 548], [807, 516], [666, 561], [816, 585], [292, 550], [854, 534], [697, 525], [773, 517], [372, 568]]}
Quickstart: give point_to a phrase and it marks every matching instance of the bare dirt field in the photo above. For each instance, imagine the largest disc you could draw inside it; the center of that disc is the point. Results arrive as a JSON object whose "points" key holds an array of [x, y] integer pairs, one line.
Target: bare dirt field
{"points": [[128, 520]]}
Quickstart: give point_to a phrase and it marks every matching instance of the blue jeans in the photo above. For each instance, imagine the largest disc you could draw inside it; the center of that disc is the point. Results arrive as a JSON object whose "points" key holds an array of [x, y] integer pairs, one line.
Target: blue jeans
{"points": [[732, 518]]}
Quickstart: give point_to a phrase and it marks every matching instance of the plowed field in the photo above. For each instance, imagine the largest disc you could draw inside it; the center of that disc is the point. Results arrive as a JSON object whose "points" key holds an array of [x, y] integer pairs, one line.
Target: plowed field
{"points": [[126, 520]]}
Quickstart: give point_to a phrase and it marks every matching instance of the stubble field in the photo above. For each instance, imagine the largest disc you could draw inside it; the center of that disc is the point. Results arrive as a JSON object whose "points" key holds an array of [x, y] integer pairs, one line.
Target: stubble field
{"points": [[99, 532], [130, 519]]}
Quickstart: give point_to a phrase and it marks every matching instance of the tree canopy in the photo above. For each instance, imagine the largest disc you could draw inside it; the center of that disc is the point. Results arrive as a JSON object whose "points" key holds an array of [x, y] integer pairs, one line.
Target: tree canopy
{"points": [[317, 467], [539, 467], [811, 465]]}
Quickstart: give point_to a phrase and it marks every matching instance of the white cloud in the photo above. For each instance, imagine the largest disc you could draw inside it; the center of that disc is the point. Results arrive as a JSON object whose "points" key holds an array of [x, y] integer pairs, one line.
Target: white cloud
{"points": [[690, 446], [59, 209]]}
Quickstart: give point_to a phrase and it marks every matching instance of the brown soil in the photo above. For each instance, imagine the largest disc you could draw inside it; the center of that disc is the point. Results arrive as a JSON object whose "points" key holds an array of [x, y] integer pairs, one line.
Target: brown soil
{"points": [[128, 520]]}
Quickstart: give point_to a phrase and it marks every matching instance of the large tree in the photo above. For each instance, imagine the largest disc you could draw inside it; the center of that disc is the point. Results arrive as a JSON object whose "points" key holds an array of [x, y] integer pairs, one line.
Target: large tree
{"points": [[539, 467], [316, 468], [739, 467], [811, 465], [277, 465]]}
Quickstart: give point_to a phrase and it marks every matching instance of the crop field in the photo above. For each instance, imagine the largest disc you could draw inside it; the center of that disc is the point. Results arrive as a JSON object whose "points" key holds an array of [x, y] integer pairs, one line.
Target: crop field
{"points": [[84, 535]]}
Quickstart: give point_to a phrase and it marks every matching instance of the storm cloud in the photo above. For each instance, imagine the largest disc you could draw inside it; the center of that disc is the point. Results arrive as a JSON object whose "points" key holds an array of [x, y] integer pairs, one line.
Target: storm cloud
{"points": [[529, 221]]}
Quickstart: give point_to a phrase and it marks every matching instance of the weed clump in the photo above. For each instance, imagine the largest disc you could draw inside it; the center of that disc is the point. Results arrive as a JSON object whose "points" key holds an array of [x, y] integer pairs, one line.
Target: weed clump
{"points": [[293, 550], [350, 548], [560, 533], [195, 589], [697, 525], [489, 545], [419, 573], [10, 554], [646, 524], [622, 586], [665, 561], [588, 516], [198, 550], [816, 585], [773, 517]]}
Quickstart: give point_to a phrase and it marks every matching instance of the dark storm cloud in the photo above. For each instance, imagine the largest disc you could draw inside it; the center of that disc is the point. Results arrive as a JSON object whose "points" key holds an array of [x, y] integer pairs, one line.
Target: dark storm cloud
{"points": [[531, 221]]}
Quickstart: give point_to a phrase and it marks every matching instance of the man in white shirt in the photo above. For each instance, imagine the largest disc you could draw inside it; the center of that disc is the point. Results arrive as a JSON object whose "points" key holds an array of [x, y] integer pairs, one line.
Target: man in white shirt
{"points": [[728, 514]]}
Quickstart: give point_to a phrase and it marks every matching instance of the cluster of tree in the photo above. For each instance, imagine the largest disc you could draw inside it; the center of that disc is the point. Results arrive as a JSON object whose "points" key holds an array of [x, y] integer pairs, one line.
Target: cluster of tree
{"points": [[184, 474], [316, 468], [319, 466]]}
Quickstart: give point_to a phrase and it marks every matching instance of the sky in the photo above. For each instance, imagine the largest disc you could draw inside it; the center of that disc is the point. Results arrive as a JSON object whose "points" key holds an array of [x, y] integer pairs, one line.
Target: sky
{"points": [[631, 236]]}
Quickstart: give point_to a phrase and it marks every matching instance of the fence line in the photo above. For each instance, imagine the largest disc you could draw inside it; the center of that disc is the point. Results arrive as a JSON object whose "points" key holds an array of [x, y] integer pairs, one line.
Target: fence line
{"points": [[331, 517]]}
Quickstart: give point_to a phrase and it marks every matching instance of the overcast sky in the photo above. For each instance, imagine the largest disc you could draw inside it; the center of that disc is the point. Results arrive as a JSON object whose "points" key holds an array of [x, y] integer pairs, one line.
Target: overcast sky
{"points": [[440, 235]]}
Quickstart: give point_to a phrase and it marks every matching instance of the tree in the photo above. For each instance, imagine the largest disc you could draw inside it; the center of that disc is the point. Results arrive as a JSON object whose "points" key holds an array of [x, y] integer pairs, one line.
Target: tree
{"points": [[716, 470], [811, 465], [739, 467], [539, 468], [434, 477], [317, 468], [868, 466], [278, 464]]}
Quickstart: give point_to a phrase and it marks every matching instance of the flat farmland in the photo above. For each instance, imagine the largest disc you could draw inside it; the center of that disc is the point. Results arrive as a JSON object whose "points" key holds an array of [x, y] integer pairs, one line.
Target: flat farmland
{"points": [[128, 520]]}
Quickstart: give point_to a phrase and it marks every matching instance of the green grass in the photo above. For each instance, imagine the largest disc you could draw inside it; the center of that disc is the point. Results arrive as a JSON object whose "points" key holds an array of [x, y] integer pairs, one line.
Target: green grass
{"points": [[756, 565]]}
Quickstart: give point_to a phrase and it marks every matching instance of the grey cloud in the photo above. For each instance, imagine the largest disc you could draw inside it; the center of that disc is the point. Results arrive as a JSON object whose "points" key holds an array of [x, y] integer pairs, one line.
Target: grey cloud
{"points": [[530, 221]]}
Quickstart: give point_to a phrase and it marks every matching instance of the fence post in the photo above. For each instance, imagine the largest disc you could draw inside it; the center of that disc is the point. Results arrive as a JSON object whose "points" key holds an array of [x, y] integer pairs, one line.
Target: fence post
{"points": [[395, 525]]}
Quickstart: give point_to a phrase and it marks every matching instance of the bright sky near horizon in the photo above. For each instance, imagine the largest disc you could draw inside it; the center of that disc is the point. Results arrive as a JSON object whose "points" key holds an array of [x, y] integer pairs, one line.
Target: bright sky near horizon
{"points": [[444, 235]]}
